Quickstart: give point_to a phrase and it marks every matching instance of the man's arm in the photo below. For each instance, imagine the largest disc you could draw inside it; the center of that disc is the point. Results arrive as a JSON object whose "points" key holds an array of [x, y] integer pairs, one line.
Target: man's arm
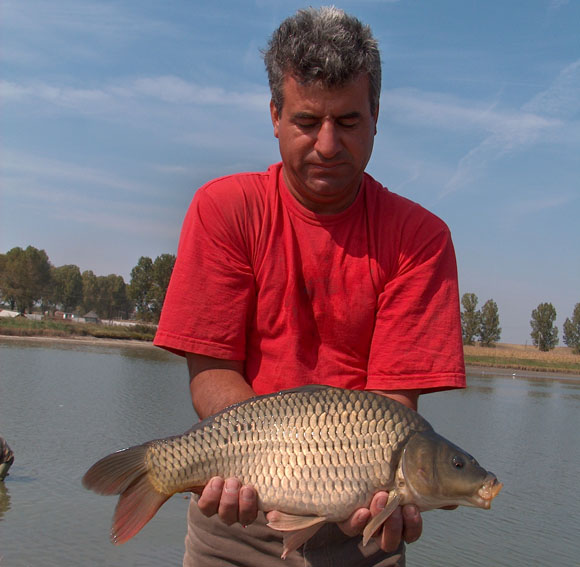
{"points": [[409, 398], [214, 385]]}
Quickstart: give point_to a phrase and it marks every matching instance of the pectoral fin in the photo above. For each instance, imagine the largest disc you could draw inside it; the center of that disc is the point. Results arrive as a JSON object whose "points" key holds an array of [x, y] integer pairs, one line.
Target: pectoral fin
{"points": [[381, 517], [301, 529]]}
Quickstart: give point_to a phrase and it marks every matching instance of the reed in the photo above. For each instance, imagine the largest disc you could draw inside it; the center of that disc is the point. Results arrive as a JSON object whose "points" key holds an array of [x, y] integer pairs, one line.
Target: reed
{"points": [[523, 357]]}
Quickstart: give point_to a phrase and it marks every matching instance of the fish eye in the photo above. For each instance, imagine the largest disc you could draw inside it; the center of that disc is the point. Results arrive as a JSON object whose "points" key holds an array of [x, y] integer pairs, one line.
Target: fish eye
{"points": [[458, 462]]}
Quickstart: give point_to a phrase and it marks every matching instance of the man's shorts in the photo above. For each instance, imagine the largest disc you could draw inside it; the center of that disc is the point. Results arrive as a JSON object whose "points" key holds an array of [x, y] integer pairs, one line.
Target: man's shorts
{"points": [[210, 543]]}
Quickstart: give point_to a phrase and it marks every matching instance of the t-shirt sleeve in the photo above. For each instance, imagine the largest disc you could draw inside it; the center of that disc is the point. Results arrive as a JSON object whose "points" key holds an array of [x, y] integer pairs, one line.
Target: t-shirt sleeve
{"points": [[212, 286], [417, 341]]}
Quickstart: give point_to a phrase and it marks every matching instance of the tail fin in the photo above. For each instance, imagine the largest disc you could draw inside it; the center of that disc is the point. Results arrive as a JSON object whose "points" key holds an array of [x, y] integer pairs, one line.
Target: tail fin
{"points": [[125, 473]]}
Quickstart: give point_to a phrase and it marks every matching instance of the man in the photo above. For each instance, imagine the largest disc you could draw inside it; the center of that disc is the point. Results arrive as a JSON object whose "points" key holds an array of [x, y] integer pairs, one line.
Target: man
{"points": [[311, 272]]}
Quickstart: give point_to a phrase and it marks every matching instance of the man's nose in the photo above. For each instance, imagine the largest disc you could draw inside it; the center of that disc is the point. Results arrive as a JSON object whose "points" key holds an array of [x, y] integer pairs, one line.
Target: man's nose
{"points": [[328, 141]]}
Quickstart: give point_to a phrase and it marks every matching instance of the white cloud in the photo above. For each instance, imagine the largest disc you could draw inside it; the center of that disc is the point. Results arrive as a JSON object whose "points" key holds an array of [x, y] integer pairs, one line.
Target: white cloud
{"points": [[32, 168], [541, 204], [562, 98], [173, 90], [104, 20], [446, 112], [550, 115], [168, 90]]}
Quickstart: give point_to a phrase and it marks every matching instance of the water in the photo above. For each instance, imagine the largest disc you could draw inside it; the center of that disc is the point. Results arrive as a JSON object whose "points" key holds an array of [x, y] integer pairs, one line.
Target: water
{"points": [[63, 405]]}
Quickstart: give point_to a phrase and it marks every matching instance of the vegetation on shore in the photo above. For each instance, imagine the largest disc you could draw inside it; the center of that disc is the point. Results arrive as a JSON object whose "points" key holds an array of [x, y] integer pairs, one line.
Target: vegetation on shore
{"points": [[29, 283], [22, 327], [518, 357]]}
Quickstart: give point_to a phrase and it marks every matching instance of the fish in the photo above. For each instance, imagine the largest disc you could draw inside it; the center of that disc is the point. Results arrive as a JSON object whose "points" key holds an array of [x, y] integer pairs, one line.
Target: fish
{"points": [[314, 455]]}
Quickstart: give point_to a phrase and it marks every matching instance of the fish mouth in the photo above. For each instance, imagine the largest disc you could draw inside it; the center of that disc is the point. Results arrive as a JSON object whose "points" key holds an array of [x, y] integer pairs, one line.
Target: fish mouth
{"points": [[490, 488]]}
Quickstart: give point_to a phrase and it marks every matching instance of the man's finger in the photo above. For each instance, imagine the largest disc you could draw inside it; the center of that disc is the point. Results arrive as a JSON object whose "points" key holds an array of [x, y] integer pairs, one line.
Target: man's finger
{"points": [[356, 523], [210, 497], [391, 534], [229, 502], [248, 505], [412, 523]]}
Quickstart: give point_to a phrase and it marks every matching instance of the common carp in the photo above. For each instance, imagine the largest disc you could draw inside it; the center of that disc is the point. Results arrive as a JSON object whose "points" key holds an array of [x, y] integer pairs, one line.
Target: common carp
{"points": [[314, 454]]}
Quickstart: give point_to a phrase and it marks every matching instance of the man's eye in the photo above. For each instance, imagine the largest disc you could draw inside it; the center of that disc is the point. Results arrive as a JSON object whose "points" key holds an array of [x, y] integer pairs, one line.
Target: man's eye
{"points": [[306, 124], [348, 123]]}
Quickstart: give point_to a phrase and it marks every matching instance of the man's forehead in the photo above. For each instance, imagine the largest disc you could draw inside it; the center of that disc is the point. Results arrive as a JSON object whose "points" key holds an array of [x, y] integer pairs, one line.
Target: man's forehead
{"points": [[352, 97]]}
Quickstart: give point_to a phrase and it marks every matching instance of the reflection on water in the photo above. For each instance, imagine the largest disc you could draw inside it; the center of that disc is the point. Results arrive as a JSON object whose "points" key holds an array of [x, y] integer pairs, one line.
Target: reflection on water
{"points": [[4, 500], [63, 406]]}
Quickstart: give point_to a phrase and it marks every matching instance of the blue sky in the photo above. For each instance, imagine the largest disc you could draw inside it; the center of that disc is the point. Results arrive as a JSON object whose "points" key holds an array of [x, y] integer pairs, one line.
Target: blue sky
{"points": [[113, 113]]}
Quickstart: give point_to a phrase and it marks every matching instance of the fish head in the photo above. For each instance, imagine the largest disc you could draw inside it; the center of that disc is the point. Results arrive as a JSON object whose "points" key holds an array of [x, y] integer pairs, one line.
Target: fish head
{"points": [[437, 473]]}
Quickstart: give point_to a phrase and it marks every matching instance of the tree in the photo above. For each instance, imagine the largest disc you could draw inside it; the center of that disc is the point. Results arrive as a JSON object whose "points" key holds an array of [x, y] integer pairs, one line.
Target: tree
{"points": [[162, 270], [67, 289], [470, 318], [149, 281], [490, 331], [90, 292], [572, 330], [111, 299], [25, 278], [544, 334], [140, 287]]}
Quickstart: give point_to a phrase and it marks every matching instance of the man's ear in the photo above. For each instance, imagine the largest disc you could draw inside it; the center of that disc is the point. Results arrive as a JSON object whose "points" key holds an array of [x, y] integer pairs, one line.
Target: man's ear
{"points": [[376, 117], [275, 116]]}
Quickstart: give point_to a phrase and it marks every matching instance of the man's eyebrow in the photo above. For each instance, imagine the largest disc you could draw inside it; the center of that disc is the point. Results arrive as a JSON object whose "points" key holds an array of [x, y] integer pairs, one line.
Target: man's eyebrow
{"points": [[303, 115], [349, 115]]}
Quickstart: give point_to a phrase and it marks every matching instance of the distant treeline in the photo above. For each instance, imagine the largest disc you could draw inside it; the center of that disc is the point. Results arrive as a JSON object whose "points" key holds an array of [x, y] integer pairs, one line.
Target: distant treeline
{"points": [[483, 324], [29, 282]]}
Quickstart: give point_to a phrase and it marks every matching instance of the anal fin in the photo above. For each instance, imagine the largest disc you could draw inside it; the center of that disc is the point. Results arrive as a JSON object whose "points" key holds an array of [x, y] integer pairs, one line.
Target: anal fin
{"points": [[290, 522], [381, 517], [293, 540], [300, 528]]}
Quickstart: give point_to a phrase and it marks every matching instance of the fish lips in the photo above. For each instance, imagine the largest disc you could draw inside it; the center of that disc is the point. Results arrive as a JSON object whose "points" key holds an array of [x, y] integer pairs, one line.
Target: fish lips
{"points": [[490, 488]]}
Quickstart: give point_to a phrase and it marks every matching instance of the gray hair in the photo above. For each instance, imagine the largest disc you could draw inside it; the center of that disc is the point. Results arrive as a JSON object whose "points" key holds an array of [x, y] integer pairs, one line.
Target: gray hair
{"points": [[326, 46]]}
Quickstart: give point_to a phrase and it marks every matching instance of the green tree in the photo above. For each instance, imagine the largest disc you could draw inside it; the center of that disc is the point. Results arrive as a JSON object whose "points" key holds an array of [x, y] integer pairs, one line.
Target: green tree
{"points": [[470, 318], [25, 278], [141, 288], [90, 292], [490, 331], [572, 330], [67, 288], [111, 299], [162, 270], [544, 334]]}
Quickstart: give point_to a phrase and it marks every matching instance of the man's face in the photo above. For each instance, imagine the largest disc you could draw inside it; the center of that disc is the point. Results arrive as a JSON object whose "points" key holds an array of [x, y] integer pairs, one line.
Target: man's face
{"points": [[326, 140]]}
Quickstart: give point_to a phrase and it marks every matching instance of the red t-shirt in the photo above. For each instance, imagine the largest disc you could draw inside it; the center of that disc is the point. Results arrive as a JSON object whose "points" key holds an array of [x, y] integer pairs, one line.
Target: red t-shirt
{"points": [[363, 299]]}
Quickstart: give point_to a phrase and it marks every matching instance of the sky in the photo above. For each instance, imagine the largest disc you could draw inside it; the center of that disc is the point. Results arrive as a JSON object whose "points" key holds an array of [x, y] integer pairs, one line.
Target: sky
{"points": [[113, 113]]}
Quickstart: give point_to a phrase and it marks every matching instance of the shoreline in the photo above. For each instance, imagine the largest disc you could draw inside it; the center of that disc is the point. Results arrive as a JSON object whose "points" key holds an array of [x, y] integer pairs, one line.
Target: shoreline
{"points": [[87, 340], [479, 369], [483, 371]]}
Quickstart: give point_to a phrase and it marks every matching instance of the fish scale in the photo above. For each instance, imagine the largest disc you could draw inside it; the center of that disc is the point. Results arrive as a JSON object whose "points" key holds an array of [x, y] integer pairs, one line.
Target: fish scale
{"points": [[287, 446]]}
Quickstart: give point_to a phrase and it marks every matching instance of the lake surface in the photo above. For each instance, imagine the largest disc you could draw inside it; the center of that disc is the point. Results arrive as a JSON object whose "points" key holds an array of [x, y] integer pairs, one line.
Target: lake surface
{"points": [[63, 405]]}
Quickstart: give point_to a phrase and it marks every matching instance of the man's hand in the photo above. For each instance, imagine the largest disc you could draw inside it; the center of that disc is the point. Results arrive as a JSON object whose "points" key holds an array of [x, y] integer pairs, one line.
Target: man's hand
{"points": [[229, 500], [404, 524]]}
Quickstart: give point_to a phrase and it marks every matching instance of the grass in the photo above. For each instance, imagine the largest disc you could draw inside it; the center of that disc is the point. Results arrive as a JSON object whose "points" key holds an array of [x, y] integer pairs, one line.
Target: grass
{"points": [[20, 327], [520, 357]]}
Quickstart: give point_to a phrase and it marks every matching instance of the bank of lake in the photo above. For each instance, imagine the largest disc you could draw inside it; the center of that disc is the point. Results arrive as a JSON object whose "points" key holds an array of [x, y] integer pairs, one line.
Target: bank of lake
{"points": [[518, 358]]}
